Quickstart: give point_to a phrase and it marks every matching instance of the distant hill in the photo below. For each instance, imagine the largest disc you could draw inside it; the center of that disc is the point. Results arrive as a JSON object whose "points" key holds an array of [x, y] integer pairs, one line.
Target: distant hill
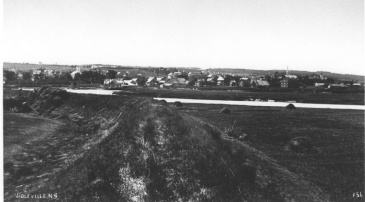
{"points": [[243, 72], [148, 71], [27, 66]]}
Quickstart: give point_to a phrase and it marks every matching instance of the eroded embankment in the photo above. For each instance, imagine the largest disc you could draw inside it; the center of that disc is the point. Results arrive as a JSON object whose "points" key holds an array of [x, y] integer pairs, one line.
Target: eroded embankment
{"points": [[146, 150]]}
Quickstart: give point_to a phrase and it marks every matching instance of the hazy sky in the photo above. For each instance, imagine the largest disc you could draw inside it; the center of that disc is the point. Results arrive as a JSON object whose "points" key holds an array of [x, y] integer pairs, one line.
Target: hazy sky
{"points": [[308, 35]]}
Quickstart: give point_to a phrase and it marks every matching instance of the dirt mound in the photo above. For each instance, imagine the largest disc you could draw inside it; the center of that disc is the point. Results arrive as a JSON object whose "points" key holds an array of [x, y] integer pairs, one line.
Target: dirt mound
{"points": [[47, 98], [225, 110], [162, 102], [150, 154], [290, 106], [178, 104]]}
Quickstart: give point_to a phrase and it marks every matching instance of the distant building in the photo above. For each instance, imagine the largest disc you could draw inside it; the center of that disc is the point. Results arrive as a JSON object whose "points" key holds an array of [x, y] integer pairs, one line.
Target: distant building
{"points": [[199, 82], [131, 82], [232, 82], [170, 76], [289, 83], [289, 76], [210, 80], [176, 83], [151, 82], [220, 81], [319, 85], [20, 75], [77, 71], [194, 74], [245, 82], [338, 88], [160, 80], [259, 83]]}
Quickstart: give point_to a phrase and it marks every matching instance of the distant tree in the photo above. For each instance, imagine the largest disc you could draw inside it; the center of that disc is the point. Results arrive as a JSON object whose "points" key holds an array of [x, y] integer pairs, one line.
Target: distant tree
{"points": [[192, 81], [77, 76], [68, 76], [10, 75], [92, 77], [268, 78], [306, 81], [87, 76], [227, 79], [111, 74], [237, 78], [331, 80], [142, 81], [39, 76], [276, 75], [27, 76]]}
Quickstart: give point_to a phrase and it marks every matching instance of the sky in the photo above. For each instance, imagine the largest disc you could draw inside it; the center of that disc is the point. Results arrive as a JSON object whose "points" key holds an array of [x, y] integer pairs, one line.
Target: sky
{"points": [[311, 35]]}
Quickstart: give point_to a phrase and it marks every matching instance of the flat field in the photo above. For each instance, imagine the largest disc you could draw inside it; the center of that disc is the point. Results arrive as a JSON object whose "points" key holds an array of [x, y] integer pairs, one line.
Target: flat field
{"points": [[337, 166], [324, 98]]}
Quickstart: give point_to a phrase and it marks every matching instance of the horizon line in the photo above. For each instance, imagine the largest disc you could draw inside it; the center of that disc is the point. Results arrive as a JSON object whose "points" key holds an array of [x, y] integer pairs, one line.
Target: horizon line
{"points": [[203, 68]]}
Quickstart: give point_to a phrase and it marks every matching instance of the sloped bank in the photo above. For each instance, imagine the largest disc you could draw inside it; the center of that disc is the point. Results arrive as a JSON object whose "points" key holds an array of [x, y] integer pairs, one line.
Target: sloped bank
{"points": [[154, 153], [146, 151]]}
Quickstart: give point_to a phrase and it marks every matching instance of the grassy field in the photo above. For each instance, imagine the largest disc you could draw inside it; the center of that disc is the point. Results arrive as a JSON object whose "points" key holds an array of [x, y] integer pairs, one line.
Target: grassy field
{"points": [[337, 166], [325, 98]]}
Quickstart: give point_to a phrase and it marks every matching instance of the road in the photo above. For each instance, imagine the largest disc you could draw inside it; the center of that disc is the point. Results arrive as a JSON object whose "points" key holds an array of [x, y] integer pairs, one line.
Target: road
{"points": [[266, 104], [226, 102]]}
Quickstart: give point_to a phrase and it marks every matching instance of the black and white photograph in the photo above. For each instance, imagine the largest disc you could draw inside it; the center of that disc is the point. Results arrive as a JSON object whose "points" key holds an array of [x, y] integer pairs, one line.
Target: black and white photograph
{"points": [[182, 100]]}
